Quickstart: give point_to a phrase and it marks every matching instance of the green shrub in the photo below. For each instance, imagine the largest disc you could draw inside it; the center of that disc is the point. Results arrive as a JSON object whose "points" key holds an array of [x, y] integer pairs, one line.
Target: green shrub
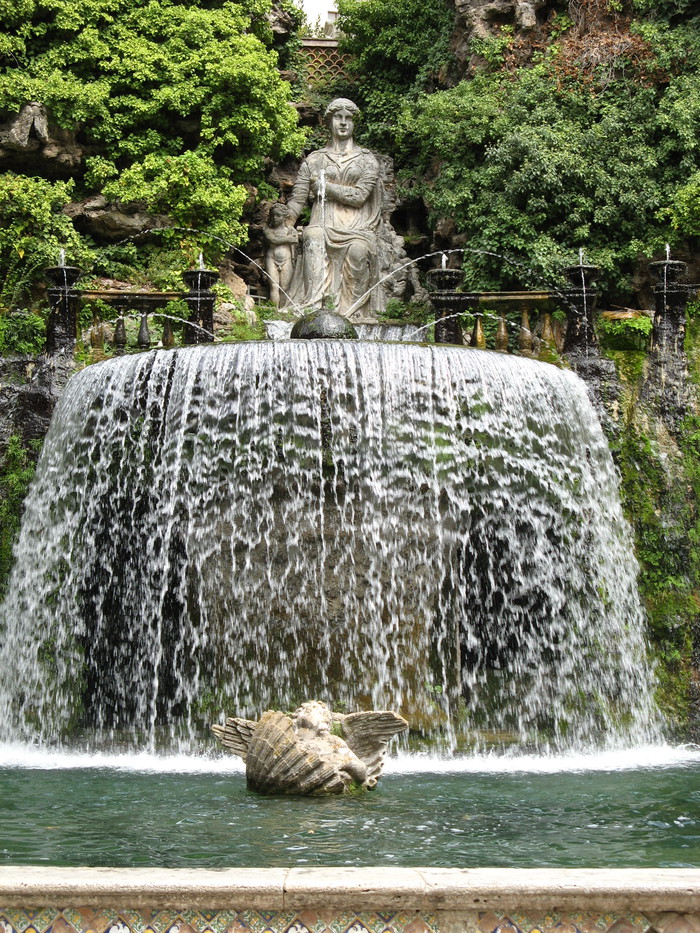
{"points": [[22, 333], [16, 472], [179, 104], [32, 233]]}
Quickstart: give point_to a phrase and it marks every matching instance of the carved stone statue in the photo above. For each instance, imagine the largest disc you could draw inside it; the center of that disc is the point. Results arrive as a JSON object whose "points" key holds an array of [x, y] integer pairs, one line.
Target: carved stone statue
{"points": [[301, 755], [281, 241], [342, 184]]}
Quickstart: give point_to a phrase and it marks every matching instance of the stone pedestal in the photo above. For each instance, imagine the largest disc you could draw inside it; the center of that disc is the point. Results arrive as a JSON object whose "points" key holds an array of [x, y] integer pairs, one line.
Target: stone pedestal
{"points": [[200, 301], [64, 299], [582, 297], [448, 303], [666, 387], [670, 298]]}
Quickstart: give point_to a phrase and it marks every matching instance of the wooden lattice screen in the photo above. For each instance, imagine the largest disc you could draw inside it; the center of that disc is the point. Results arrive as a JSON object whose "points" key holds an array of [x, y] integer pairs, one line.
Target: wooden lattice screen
{"points": [[323, 60]]}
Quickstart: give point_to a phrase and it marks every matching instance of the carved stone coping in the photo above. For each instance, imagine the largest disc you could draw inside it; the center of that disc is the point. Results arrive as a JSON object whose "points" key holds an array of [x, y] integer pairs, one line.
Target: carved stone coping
{"points": [[519, 301], [612, 891], [132, 299], [314, 43]]}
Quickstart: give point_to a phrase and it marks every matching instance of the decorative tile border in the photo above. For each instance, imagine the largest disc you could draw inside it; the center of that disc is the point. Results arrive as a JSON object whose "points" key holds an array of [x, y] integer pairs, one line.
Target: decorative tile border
{"points": [[348, 900], [89, 920]]}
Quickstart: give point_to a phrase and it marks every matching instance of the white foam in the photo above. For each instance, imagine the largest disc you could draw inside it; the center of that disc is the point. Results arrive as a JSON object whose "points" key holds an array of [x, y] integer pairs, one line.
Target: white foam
{"points": [[33, 757], [647, 756], [652, 756]]}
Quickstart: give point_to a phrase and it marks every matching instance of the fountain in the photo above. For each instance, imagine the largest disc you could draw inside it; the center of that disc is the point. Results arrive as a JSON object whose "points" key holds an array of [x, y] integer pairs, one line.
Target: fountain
{"points": [[61, 333], [428, 529]]}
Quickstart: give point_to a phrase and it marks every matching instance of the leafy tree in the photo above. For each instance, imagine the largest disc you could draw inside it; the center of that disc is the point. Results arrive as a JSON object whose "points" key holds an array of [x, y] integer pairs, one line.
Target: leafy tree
{"points": [[399, 49], [178, 104], [534, 167]]}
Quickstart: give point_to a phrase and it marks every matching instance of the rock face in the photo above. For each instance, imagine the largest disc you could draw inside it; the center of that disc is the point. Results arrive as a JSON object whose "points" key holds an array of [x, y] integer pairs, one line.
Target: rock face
{"points": [[29, 390], [29, 142], [482, 19], [108, 221], [300, 754]]}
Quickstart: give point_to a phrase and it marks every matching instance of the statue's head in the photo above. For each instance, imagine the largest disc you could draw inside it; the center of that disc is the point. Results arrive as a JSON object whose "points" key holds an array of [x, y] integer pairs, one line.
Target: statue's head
{"points": [[341, 106], [278, 213], [313, 715]]}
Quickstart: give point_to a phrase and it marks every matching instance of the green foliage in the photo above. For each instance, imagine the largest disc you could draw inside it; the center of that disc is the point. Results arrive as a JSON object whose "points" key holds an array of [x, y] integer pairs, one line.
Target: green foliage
{"points": [[187, 187], [32, 232], [178, 104], [412, 312], [16, 472], [660, 487], [667, 551], [532, 169], [493, 48], [684, 210], [400, 48], [626, 333], [155, 76], [22, 333], [665, 8]]}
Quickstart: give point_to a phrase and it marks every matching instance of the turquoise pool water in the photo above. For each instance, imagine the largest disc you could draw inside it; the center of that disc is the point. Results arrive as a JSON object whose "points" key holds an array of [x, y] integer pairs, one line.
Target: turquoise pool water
{"points": [[143, 811]]}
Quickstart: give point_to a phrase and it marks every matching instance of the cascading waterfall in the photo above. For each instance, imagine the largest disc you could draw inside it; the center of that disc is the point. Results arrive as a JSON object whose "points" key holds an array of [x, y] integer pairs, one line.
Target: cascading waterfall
{"points": [[430, 529]]}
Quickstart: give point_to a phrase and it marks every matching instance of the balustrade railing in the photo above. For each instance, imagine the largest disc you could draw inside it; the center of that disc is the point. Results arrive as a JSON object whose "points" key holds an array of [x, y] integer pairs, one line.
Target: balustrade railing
{"points": [[66, 300]]}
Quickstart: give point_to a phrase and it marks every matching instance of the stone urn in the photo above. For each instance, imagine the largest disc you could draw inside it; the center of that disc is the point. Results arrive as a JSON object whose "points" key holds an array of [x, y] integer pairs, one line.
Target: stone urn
{"points": [[444, 280], [200, 280], [582, 275], [63, 276], [323, 325], [668, 270]]}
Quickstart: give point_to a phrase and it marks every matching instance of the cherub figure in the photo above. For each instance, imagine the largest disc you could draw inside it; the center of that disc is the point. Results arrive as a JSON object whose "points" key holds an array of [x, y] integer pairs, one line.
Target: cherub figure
{"points": [[301, 755], [281, 241]]}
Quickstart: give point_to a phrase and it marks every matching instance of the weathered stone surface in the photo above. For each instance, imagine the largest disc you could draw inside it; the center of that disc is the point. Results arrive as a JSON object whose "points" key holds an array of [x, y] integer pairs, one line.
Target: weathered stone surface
{"points": [[323, 325], [300, 754], [109, 221], [29, 142], [483, 18], [281, 22], [29, 390], [349, 250], [664, 900]]}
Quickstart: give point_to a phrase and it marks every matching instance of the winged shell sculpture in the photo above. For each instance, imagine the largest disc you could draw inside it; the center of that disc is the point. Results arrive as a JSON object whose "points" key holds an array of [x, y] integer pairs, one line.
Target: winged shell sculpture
{"points": [[299, 754]]}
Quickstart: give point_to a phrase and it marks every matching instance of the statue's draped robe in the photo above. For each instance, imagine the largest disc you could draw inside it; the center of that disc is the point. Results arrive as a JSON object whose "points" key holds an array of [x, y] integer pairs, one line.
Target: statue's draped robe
{"points": [[339, 256]]}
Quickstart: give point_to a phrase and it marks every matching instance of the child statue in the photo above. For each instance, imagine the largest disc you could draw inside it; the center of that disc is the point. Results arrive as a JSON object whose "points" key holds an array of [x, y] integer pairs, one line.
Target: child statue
{"points": [[281, 241]]}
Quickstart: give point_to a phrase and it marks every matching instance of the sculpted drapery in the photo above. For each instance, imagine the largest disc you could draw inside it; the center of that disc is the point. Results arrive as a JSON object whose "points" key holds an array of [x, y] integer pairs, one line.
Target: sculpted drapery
{"points": [[339, 255]]}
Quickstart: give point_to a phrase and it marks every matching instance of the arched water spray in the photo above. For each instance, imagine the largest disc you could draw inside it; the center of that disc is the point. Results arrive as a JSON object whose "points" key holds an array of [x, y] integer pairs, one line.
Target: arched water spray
{"points": [[426, 528]]}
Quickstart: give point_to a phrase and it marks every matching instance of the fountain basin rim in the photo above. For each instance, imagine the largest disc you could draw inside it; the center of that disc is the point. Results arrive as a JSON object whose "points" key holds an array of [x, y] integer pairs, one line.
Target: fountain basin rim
{"points": [[431, 889]]}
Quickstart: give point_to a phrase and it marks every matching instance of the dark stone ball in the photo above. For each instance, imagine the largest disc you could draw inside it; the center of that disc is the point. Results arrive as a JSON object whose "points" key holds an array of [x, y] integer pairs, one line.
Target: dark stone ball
{"points": [[323, 325]]}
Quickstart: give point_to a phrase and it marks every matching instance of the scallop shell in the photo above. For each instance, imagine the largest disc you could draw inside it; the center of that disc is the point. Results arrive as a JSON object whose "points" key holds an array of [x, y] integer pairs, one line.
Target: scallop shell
{"points": [[277, 764]]}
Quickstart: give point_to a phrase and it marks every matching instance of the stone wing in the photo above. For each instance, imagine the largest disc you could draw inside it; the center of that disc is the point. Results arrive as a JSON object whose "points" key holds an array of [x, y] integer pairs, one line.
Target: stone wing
{"points": [[368, 734], [236, 735]]}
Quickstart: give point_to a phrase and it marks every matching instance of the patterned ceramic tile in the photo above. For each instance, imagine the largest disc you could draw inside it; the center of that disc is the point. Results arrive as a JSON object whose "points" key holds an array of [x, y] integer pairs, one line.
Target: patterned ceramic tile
{"points": [[297, 927], [88, 920], [314, 920], [267, 921]]}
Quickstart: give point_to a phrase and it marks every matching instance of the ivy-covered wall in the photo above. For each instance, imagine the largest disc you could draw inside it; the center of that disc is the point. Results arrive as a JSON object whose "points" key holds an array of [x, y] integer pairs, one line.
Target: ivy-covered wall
{"points": [[656, 445]]}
